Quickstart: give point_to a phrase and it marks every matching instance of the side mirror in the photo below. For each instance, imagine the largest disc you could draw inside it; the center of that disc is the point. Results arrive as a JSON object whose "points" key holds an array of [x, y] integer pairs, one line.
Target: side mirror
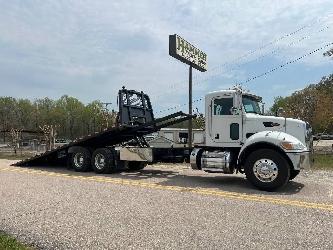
{"points": [[263, 108], [234, 111]]}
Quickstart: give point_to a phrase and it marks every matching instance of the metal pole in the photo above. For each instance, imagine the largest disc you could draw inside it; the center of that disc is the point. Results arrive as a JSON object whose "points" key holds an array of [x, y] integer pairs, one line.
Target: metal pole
{"points": [[190, 107]]}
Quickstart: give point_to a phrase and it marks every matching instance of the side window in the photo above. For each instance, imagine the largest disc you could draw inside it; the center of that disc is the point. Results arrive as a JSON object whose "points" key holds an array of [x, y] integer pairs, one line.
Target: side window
{"points": [[135, 100], [183, 137], [168, 135], [223, 106]]}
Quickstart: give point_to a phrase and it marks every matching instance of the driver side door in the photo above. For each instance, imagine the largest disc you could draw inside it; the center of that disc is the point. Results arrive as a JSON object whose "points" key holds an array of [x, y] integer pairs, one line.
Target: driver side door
{"points": [[226, 120]]}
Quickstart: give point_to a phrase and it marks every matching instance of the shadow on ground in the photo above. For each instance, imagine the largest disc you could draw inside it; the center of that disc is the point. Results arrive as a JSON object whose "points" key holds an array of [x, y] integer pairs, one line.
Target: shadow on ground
{"points": [[231, 183], [184, 177]]}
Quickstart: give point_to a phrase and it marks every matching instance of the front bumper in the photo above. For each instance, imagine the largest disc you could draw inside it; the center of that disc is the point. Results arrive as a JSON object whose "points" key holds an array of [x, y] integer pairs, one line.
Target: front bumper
{"points": [[301, 160]]}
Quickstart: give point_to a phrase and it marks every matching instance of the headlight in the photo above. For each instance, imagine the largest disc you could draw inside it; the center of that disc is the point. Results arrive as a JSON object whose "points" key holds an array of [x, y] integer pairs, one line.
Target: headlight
{"points": [[292, 146]]}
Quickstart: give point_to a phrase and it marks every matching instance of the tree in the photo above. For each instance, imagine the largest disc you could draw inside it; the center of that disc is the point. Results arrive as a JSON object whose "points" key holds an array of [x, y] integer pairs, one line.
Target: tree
{"points": [[24, 109], [7, 115], [313, 104], [72, 118], [279, 101], [92, 117], [45, 108], [323, 115], [329, 53], [50, 133], [16, 139], [71, 110]]}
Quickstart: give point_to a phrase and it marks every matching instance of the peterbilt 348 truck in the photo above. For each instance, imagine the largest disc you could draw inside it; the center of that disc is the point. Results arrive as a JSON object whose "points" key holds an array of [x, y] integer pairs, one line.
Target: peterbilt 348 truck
{"points": [[270, 150], [238, 138]]}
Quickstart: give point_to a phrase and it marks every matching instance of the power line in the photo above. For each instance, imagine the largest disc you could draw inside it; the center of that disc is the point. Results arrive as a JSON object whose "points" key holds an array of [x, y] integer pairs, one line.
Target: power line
{"points": [[287, 63], [262, 74], [279, 49], [175, 86], [180, 105], [265, 55], [275, 51], [313, 22]]}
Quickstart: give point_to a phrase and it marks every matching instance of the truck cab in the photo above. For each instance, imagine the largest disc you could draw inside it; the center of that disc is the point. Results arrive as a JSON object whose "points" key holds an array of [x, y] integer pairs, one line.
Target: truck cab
{"points": [[238, 137]]}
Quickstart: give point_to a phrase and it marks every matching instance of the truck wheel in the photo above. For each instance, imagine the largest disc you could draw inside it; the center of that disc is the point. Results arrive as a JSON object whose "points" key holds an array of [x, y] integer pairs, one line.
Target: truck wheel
{"points": [[103, 161], [136, 165], [267, 169], [80, 159], [293, 174]]}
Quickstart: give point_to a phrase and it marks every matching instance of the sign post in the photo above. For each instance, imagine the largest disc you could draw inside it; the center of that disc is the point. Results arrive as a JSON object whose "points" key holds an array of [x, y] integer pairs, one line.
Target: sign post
{"points": [[187, 53], [190, 109]]}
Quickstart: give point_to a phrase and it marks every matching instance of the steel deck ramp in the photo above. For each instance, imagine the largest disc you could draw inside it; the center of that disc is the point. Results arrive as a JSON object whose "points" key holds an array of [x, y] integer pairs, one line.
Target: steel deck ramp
{"points": [[109, 137]]}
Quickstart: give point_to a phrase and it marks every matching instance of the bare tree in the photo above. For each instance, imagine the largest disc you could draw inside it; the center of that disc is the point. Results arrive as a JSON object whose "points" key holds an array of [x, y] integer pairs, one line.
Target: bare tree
{"points": [[16, 139], [109, 118], [50, 133]]}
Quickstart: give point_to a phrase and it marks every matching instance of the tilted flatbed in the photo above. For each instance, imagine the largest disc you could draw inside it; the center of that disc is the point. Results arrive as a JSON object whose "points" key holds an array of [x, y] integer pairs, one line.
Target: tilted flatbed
{"points": [[135, 120]]}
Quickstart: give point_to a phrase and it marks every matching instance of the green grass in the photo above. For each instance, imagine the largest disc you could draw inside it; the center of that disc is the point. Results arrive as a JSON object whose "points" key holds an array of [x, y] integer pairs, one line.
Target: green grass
{"points": [[322, 161], [9, 243]]}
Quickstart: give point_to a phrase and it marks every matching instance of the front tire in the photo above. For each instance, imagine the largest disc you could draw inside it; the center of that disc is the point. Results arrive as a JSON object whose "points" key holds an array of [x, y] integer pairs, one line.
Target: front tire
{"points": [[267, 169]]}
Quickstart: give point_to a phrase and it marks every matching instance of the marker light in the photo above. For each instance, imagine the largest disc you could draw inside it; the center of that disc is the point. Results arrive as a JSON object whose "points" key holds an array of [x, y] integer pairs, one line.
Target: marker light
{"points": [[292, 146]]}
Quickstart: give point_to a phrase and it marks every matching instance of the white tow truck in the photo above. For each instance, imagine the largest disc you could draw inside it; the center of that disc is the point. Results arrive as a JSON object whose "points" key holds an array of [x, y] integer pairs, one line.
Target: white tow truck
{"points": [[270, 150]]}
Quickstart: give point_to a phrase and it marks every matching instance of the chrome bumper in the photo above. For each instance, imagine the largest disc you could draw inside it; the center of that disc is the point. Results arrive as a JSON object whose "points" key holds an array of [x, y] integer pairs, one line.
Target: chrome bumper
{"points": [[301, 160]]}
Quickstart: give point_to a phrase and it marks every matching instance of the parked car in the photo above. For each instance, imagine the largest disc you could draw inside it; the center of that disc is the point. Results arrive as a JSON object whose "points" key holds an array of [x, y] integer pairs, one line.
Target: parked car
{"points": [[61, 142], [322, 136]]}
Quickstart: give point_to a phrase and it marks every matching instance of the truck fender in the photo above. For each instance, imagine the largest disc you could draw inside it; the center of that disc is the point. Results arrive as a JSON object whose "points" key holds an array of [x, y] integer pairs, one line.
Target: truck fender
{"points": [[265, 139], [74, 148]]}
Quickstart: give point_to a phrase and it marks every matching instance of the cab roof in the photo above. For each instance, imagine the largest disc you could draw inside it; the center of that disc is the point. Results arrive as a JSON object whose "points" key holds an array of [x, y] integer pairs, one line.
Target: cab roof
{"points": [[232, 91]]}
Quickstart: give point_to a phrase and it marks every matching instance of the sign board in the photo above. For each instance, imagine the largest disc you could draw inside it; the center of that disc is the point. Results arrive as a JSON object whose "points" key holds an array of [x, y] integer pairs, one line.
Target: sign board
{"points": [[187, 53]]}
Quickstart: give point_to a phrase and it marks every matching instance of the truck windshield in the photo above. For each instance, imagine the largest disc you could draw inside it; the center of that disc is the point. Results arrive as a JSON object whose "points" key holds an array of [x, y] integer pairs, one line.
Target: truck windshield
{"points": [[251, 105]]}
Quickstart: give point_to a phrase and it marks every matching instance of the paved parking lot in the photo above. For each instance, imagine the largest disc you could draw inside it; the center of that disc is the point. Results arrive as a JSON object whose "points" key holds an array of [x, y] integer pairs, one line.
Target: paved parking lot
{"points": [[163, 206]]}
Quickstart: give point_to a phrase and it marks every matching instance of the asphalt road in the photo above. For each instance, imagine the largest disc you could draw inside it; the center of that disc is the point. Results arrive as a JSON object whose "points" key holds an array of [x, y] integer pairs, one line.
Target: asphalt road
{"points": [[163, 207]]}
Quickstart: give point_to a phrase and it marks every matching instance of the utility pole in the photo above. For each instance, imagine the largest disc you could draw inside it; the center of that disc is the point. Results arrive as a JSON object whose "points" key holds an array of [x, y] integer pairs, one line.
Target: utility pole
{"points": [[36, 114], [106, 104], [187, 53], [190, 123]]}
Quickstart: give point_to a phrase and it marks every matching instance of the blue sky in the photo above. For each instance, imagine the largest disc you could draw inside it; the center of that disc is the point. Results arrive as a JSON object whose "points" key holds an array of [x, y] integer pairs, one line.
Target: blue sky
{"points": [[89, 49]]}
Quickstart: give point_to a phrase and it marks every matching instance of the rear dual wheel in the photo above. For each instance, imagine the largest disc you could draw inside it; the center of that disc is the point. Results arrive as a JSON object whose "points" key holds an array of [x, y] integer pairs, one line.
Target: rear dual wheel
{"points": [[80, 159], [103, 161]]}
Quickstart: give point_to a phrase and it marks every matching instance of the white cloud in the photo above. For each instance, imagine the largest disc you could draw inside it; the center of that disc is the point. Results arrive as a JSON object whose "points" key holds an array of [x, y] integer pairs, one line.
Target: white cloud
{"points": [[89, 49]]}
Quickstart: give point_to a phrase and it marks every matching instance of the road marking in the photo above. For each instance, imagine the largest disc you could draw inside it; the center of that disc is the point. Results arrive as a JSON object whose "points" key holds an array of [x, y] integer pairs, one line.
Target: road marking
{"points": [[201, 191]]}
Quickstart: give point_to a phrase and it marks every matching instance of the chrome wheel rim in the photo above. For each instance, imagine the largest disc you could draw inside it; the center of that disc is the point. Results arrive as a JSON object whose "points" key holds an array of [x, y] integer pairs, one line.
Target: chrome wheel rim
{"points": [[265, 170], [78, 160], [99, 161]]}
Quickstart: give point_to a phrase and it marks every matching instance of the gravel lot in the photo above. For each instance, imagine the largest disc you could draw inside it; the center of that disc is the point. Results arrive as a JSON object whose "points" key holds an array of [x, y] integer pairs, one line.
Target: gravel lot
{"points": [[163, 206]]}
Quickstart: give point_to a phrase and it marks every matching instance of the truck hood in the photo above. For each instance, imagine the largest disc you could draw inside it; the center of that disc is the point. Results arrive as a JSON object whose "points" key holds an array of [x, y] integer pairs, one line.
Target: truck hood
{"points": [[256, 123]]}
